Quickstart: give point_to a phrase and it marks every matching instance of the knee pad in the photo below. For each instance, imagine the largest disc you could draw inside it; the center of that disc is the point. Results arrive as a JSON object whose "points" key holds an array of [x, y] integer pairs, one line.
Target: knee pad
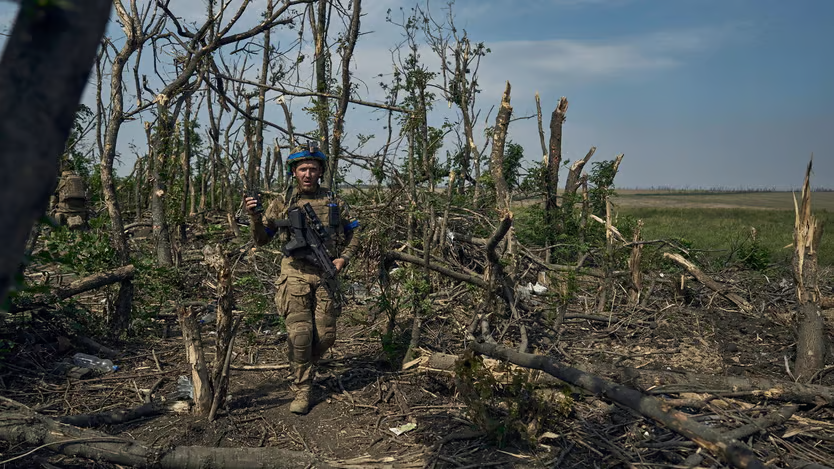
{"points": [[301, 340]]}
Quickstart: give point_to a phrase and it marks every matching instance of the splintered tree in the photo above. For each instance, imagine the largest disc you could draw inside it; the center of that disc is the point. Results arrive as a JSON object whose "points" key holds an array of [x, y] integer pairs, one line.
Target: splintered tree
{"points": [[810, 342]]}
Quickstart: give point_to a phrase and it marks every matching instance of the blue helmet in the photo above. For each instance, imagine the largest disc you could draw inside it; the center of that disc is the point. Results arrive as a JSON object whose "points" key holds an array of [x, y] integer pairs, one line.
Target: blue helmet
{"points": [[306, 152]]}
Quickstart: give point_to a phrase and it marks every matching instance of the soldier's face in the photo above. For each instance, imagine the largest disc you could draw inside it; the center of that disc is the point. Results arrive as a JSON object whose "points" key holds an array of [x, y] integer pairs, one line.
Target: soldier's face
{"points": [[307, 173]]}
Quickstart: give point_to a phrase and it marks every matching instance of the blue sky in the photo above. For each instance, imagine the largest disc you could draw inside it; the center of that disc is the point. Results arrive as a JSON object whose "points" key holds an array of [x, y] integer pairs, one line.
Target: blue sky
{"points": [[696, 93]]}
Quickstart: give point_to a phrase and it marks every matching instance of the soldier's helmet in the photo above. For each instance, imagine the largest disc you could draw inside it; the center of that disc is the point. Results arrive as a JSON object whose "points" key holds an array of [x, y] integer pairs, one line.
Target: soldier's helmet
{"points": [[306, 152]]}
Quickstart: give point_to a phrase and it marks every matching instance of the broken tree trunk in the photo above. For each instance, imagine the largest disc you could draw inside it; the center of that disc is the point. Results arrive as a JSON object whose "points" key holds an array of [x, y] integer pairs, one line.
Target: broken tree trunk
{"points": [[215, 258], [673, 382], [554, 160], [25, 427], [634, 266], [732, 451], [196, 361], [574, 179], [710, 283], [79, 286], [810, 341], [496, 158]]}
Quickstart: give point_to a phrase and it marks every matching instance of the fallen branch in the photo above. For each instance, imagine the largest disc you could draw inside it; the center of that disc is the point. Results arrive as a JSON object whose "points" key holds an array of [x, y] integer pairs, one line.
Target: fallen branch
{"points": [[772, 419], [22, 427], [259, 367], [114, 417], [673, 382], [732, 451], [477, 281], [670, 382], [97, 280], [138, 224], [710, 283], [88, 283]]}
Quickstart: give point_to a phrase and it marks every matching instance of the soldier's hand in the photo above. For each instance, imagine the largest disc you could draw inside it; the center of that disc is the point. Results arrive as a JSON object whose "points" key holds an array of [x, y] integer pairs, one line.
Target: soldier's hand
{"points": [[339, 264], [251, 203]]}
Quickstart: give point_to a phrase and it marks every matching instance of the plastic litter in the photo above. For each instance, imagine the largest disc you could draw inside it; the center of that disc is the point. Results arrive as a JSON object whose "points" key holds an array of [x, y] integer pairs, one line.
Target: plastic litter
{"points": [[93, 362], [403, 428], [209, 317], [185, 389]]}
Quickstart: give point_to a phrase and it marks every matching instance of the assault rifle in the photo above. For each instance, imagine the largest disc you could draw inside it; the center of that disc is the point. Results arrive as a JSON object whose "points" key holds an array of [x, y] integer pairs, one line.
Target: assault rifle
{"points": [[316, 237], [311, 236]]}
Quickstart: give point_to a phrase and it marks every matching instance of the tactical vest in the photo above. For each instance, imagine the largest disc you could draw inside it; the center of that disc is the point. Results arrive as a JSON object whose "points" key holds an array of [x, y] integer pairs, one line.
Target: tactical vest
{"points": [[72, 197], [328, 210]]}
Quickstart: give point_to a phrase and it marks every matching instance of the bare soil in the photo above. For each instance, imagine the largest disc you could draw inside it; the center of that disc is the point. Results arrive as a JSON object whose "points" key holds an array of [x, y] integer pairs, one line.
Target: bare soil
{"points": [[360, 394]]}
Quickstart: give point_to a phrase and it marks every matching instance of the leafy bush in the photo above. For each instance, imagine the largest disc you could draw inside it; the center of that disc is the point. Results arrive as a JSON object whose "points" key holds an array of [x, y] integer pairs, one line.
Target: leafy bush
{"points": [[83, 251], [508, 408]]}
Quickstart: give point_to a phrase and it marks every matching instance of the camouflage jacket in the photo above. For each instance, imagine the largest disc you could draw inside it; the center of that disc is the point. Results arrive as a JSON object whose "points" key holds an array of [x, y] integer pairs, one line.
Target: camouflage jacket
{"points": [[342, 242]]}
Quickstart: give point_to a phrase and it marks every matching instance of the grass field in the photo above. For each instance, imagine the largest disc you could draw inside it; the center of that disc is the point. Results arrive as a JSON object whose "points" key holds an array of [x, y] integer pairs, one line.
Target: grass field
{"points": [[634, 198], [719, 222]]}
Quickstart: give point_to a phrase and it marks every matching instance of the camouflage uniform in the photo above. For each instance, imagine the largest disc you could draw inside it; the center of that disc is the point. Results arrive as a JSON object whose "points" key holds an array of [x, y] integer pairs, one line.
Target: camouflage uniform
{"points": [[71, 209], [309, 305]]}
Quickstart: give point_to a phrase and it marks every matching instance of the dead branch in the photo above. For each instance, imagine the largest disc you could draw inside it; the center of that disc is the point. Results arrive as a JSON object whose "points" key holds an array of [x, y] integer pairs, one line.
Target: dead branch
{"points": [[221, 383], [477, 281], [100, 349], [710, 283], [96, 281], [114, 417], [732, 451], [26, 427], [79, 286], [496, 238], [259, 367], [761, 388]]}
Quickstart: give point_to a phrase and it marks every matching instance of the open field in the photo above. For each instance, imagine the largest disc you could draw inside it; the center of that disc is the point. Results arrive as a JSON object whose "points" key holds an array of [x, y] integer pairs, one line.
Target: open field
{"points": [[720, 222], [821, 201]]}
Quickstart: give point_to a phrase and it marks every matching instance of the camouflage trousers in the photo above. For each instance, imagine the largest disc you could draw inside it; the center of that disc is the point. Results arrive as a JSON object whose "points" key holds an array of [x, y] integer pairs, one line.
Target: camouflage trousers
{"points": [[309, 309]]}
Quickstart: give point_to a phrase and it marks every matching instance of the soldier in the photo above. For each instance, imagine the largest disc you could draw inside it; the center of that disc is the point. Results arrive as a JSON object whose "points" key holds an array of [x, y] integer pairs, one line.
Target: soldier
{"points": [[309, 302], [71, 207]]}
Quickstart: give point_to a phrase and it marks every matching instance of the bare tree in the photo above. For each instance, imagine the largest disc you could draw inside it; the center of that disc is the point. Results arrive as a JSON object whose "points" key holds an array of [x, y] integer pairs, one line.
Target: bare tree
{"points": [[197, 48], [319, 24], [347, 47], [138, 28], [460, 60]]}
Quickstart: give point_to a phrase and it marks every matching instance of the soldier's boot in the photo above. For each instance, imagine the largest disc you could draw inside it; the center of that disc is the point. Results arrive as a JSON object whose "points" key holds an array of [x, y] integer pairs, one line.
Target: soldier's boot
{"points": [[301, 403], [303, 387]]}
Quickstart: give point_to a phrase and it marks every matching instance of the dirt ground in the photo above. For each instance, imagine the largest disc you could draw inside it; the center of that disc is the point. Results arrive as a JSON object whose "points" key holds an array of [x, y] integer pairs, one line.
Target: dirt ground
{"points": [[360, 396], [462, 419]]}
